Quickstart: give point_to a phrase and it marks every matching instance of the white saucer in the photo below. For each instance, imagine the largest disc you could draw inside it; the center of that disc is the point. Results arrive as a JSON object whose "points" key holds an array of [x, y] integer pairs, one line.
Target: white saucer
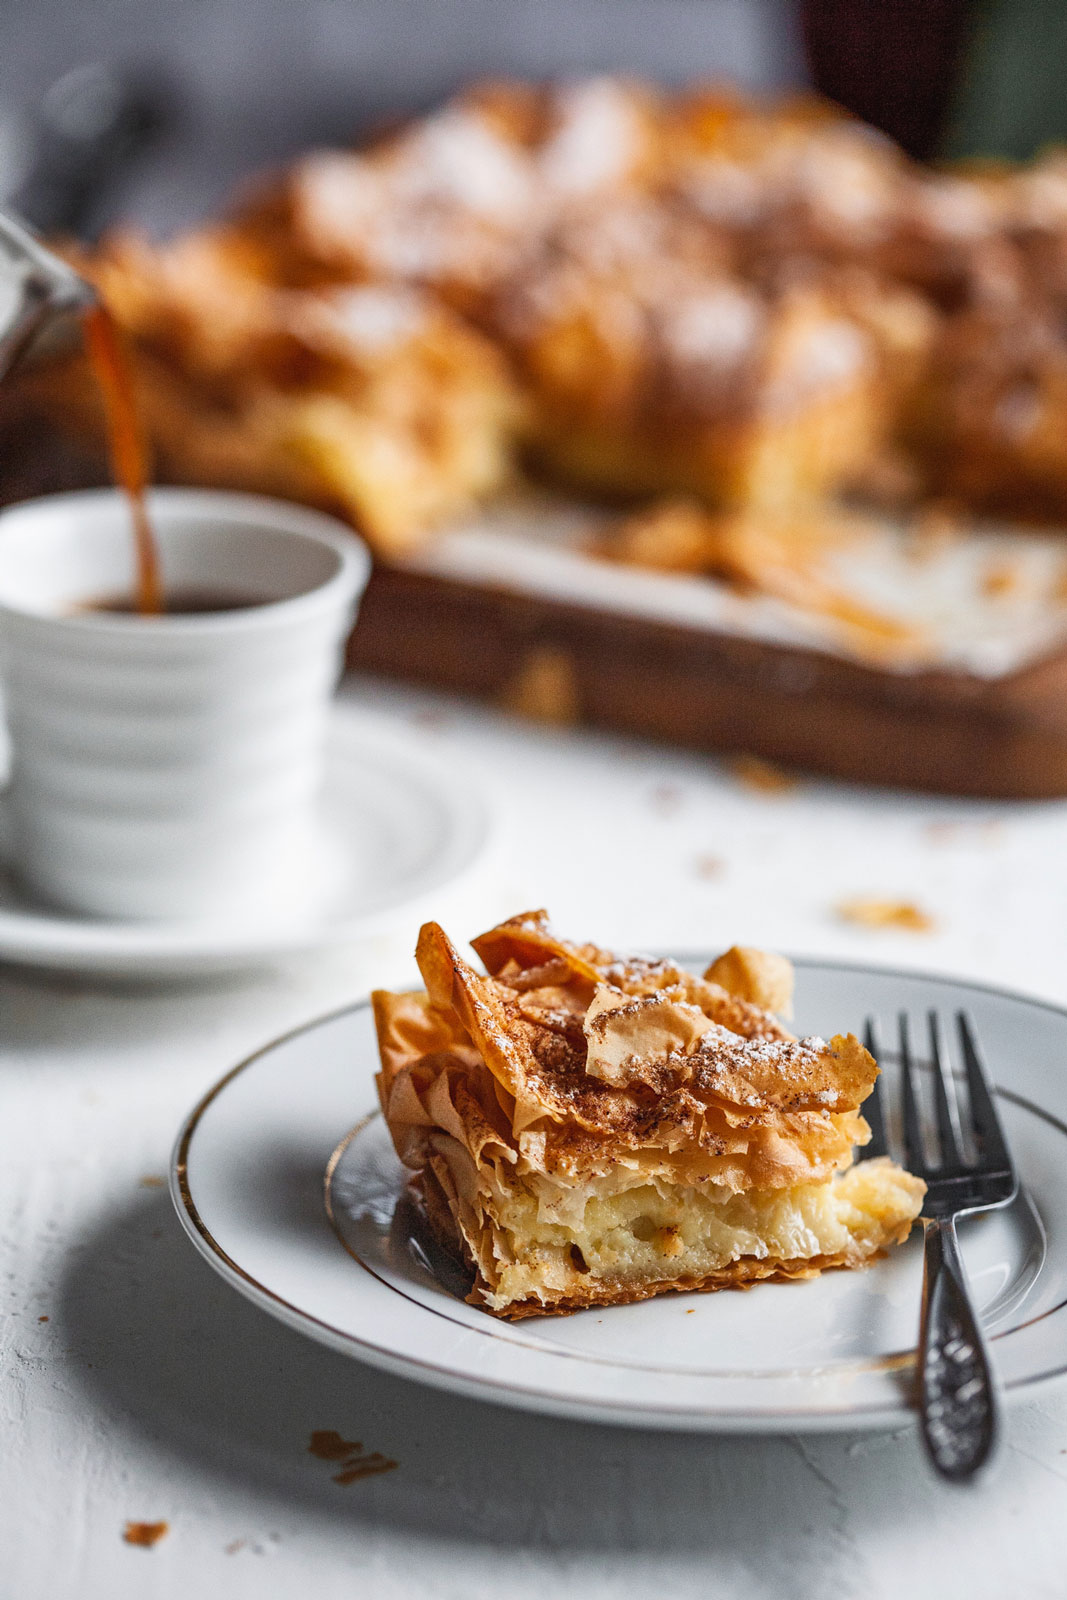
{"points": [[832, 1353], [395, 828]]}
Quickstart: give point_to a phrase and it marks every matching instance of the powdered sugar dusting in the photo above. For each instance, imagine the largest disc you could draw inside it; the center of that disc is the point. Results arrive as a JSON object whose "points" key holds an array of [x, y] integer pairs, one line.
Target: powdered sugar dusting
{"points": [[724, 191], [377, 318], [828, 356], [953, 208], [457, 157], [336, 193], [597, 141], [835, 174], [718, 327]]}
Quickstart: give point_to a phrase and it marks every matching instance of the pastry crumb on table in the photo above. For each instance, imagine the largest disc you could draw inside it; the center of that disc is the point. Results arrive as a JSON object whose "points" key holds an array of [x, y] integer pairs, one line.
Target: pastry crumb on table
{"points": [[869, 911], [355, 1463], [763, 776], [545, 687], [145, 1534]]}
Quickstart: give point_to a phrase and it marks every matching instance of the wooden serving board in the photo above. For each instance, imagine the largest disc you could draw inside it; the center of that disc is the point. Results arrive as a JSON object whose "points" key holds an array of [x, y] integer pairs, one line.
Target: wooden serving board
{"points": [[513, 613], [495, 620]]}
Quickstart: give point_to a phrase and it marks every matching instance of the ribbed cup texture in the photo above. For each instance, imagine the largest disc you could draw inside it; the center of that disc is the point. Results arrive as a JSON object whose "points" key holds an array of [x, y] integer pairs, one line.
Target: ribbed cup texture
{"points": [[169, 767]]}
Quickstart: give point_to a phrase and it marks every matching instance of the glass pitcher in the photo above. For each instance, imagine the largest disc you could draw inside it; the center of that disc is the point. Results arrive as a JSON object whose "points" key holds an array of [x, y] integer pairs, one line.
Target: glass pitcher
{"points": [[35, 287]]}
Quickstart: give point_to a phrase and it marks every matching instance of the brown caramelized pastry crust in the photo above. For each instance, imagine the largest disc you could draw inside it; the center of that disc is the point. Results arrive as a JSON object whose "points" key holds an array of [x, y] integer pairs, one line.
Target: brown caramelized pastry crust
{"points": [[588, 1129]]}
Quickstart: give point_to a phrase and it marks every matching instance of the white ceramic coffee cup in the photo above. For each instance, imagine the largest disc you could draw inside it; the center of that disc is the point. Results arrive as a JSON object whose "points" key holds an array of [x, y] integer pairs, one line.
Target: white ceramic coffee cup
{"points": [[168, 767]]}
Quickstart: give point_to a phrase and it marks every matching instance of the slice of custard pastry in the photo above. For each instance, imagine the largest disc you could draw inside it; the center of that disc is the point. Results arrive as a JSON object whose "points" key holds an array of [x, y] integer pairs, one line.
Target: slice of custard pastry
{"points": [[588, 1129]]}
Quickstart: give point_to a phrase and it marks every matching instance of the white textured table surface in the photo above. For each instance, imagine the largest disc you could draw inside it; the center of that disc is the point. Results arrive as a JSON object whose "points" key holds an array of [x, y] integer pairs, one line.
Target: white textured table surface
{"points": [[134, 1385]]}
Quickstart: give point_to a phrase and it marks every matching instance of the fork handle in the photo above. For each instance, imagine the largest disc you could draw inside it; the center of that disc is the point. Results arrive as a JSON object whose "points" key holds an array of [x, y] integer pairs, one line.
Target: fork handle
{"points": [[958, 1398]]}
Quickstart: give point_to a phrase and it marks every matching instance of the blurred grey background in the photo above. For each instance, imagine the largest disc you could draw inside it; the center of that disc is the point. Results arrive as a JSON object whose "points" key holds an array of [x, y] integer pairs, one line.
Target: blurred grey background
{"points": [[244, 83]]}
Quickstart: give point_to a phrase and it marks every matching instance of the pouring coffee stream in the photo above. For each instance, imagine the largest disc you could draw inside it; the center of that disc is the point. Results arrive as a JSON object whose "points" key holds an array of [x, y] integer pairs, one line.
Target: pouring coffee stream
{"points": [[37, 287], [127, 448]]}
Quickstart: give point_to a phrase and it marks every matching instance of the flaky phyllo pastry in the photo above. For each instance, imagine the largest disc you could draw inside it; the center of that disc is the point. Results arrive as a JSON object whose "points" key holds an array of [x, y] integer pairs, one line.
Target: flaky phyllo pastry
{"points": [[589, 1129]]}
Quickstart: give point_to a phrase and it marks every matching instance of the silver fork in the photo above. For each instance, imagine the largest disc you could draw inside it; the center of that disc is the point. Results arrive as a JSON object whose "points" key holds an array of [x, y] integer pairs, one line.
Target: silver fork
{"points": [[971, 1171]]}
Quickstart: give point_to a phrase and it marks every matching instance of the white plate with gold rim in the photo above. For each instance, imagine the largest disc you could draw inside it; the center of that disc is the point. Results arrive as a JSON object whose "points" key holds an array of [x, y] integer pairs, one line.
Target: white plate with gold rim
{"points": [[248, 1179], [397, 828]]}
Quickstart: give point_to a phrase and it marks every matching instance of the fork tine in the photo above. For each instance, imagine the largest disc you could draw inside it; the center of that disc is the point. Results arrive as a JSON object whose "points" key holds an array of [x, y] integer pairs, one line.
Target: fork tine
{"points": [[951, 1155], [914, 1153], [992, 1146], [874, 1105]]}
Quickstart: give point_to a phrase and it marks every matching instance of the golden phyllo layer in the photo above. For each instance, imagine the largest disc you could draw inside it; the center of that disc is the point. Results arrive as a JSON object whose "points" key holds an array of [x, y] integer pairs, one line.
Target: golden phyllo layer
{"points": [[589, 1129]]}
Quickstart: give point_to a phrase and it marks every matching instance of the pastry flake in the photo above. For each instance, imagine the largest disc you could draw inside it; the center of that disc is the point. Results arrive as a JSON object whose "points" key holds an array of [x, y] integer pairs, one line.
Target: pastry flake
{"points": [[788, 557], [871, 912], [757, 975], [591, 1129]]}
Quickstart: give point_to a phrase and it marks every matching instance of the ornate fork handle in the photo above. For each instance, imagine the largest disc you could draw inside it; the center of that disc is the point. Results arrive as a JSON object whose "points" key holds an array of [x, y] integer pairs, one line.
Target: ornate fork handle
{"points": [[958, 1400]]}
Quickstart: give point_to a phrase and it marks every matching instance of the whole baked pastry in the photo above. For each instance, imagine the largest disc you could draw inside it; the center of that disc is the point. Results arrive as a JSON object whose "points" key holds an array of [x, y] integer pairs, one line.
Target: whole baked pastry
{"points": [[588, 1129], [625, 289]]}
